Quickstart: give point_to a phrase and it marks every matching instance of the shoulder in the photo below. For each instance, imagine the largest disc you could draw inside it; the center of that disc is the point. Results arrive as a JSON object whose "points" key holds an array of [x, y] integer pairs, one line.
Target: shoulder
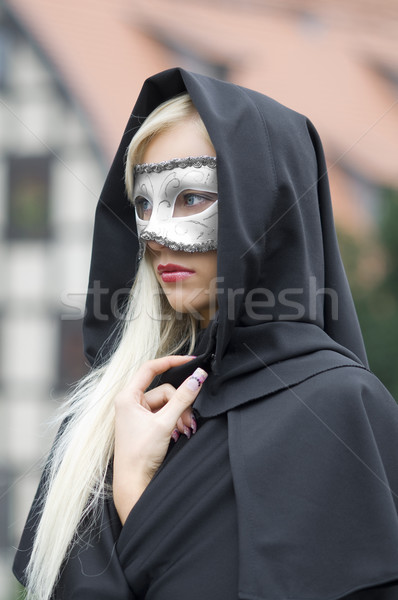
{"points": [[343, 397], [345, 387], [339, 421]]}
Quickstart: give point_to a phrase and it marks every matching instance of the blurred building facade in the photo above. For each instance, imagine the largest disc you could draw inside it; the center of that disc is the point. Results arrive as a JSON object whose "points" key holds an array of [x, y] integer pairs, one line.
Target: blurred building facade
{"points": [[69, 74], [51, 170]]}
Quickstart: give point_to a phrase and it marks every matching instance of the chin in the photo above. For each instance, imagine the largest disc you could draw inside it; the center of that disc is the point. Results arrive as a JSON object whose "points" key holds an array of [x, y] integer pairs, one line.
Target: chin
{"points": [[185, 308]]}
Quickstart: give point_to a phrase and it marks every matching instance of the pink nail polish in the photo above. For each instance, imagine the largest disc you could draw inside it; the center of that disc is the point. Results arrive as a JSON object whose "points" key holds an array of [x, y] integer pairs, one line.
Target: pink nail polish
{"points": [[197, 378], [187, 431], [175, 435], [194, 425]]}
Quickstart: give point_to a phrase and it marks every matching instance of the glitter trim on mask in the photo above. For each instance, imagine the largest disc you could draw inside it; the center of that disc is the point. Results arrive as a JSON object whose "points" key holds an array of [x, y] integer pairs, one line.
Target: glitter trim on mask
{"points": [[182, 163], [198, 247]]}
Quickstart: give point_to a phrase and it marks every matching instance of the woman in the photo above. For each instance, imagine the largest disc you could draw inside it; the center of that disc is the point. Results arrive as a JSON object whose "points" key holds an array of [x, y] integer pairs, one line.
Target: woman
{"points": [[288, 488]]}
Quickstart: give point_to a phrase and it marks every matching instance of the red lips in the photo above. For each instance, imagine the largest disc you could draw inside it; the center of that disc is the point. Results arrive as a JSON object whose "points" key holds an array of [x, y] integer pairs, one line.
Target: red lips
{"points": [[171, 273], [172, 268]]}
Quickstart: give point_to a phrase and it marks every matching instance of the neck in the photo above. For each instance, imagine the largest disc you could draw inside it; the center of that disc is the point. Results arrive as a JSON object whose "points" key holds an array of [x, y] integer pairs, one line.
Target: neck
{"points": [[206, 316]]}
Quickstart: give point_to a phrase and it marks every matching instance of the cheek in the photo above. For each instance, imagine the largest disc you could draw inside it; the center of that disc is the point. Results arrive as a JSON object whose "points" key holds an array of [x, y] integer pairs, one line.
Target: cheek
{"points": [[210, 266], [208, 263]]}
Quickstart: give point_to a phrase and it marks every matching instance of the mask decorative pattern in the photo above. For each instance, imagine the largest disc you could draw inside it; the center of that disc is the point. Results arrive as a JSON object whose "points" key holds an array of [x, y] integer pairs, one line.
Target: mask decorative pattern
{"points": [[176, 203]]}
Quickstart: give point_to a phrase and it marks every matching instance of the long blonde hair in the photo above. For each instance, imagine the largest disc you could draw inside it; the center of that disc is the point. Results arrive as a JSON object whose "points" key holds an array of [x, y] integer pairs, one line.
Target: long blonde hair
{"points": [[76, 485]]}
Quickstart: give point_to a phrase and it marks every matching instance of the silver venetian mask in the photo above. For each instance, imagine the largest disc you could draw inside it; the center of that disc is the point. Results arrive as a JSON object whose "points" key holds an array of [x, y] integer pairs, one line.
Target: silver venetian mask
{"points": [[176, 203]]}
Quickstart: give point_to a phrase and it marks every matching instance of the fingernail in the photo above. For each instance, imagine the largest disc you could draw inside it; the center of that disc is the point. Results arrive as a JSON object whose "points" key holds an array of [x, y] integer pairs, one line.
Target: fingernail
{"points": [[197, 378], [175, 435], [194, 425], [187, 431]]}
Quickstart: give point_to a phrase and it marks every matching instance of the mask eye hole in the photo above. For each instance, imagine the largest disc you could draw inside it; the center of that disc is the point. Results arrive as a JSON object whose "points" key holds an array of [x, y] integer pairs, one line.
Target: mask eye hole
{"points": [[192, 202], [143, 208]]}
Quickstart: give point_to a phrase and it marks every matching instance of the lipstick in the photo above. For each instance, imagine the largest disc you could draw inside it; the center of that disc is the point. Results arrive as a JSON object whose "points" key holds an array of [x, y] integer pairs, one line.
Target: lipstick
{"points": [[171, 273]]}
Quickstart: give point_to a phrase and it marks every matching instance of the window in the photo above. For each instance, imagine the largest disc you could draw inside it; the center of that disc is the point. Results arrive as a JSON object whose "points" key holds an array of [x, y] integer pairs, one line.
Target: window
{"points": [[189, 58], [4, 54], [193, 62], [6, 41], [28, 197], [71, 364], [6, 491]]}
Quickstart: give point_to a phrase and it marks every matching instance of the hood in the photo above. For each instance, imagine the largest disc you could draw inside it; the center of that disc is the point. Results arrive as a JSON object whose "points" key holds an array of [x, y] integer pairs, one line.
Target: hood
{"points": [[283, 289]]}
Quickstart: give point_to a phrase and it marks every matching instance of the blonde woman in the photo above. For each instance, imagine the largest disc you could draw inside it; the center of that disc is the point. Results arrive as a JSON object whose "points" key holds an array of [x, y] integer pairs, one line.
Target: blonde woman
{"points": [[230, 441]]}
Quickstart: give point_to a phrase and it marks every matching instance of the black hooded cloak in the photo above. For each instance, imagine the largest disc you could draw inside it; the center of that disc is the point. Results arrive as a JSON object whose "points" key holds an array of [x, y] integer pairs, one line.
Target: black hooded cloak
{"points": [[288, 491]]}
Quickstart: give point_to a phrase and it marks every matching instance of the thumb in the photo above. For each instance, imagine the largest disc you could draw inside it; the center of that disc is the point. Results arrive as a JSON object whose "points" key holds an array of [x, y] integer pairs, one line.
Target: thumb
{"points": [[183, 397]]}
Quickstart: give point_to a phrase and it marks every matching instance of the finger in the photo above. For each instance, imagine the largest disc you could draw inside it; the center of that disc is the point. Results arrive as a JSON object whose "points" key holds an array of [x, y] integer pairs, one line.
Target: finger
{"points": [[159, 396], [183, 398], [150, 369], [175, 435], [187, 422], [184, 424]]}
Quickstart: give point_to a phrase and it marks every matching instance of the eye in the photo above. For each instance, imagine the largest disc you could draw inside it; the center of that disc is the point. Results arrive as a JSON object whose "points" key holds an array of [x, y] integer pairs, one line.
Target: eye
{"points": [[191, 202], [192, 199], [143, 208]]}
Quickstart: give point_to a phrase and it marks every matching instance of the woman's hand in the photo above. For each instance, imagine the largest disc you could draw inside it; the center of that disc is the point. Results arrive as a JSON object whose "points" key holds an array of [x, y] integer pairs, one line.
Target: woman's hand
{"points": [[144, 423]]}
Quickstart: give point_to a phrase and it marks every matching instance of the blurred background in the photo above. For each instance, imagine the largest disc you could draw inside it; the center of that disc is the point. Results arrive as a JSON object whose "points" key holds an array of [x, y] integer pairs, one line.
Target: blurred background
{"points": [[70, 71]]}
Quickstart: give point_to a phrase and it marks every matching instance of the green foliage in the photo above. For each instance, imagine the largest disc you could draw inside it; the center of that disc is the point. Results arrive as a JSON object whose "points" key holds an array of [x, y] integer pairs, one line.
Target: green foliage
{"points": [[19, 592], [372, 269]]}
